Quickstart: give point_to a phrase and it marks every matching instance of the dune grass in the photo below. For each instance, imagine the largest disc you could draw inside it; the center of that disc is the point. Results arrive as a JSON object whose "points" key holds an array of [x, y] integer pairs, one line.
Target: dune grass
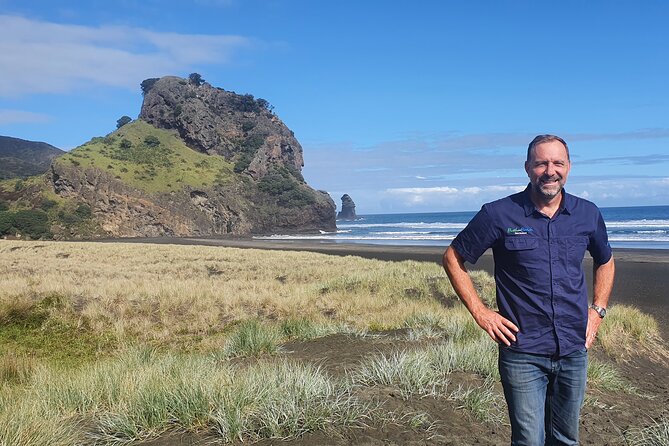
{"points": [[627, 330], [70, 311], [142, 393], [190, 297], [656, 434]]}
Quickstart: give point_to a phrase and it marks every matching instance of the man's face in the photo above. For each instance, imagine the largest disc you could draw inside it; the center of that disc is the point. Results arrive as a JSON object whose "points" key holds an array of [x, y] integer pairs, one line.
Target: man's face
{"points": [[548, 169]]}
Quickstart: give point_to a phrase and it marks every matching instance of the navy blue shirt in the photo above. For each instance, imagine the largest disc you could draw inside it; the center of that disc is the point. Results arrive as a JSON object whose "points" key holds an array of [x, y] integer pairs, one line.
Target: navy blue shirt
{"points": [[538, 266]]}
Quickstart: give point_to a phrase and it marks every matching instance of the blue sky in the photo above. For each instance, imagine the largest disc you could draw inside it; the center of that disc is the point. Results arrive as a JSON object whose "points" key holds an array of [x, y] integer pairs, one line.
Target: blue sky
{"points": [[423, 106]]}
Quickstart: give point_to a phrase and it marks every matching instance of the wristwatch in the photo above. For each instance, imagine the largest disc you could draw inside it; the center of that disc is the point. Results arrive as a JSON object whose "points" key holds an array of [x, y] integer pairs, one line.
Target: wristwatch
{"points": [[600, 311]]}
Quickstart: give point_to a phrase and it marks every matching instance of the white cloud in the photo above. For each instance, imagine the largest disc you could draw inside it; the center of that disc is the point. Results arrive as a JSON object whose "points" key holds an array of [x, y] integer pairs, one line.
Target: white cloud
{"points": [[21, 117], [444, 198], [423, 190], [44, 57]]}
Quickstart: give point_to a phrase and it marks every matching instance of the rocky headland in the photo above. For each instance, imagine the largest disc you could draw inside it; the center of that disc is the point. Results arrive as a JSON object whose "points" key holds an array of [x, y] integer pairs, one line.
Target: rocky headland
{"points": [[199, 161]]}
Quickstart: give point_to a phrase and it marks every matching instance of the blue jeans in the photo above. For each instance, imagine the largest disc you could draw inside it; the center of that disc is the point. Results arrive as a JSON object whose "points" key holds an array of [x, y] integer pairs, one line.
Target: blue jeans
{"points": [[544, 396]]}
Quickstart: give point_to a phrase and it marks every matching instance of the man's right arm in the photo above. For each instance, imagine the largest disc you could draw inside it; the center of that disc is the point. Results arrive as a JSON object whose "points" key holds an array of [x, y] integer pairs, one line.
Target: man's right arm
{"points": [[499, 328]]}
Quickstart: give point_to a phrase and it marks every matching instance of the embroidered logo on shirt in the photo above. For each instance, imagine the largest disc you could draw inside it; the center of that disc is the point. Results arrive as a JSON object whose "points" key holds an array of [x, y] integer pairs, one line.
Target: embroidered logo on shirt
{"points": [[519, 231]]}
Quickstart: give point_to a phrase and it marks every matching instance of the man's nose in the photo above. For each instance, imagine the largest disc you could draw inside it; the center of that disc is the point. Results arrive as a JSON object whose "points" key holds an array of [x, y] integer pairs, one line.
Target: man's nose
{"points": [[550, 169]]}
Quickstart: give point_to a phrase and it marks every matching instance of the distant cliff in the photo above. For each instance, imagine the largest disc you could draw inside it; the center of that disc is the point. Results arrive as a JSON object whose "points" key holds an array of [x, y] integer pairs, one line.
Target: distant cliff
{"points": [[198, 161], [21, 158]]}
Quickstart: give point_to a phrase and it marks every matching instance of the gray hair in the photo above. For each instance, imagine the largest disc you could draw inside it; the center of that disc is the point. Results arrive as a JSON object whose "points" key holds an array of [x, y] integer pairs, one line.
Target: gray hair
{"points": [[545, 138]]}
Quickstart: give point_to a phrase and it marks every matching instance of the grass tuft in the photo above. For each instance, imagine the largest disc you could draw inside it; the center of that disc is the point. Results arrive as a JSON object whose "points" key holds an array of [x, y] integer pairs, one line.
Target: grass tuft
{"points": [[16, 368], [252, 338], [657, 434], [627, 331], [604, 376], [482, 402]]}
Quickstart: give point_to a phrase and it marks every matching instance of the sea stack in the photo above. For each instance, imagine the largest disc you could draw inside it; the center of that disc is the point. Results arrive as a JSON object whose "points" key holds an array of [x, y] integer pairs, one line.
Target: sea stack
{"points": [[347, 208]]}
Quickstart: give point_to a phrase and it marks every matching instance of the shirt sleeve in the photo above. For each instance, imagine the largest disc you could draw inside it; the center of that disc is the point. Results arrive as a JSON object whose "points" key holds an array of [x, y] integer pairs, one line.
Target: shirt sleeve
{"points": [[479, 235], [599, 247]]}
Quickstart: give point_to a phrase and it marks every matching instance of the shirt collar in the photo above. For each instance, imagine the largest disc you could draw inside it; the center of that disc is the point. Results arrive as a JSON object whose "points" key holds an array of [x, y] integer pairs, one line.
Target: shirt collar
{"points": [[566, 207]]}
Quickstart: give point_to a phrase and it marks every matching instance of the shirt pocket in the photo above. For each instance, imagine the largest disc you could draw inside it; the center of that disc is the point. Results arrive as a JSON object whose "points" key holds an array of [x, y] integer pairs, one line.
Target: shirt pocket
{"points": [[575, 251], [522, 255]]}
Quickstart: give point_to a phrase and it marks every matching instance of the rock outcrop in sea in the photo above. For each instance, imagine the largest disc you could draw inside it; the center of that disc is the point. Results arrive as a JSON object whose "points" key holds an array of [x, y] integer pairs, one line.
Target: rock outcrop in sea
{"points": [[347, 208]]}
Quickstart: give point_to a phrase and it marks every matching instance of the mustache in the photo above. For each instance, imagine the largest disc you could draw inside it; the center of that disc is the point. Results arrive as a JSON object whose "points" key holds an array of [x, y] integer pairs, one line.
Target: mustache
{"points": [[550, 178]]}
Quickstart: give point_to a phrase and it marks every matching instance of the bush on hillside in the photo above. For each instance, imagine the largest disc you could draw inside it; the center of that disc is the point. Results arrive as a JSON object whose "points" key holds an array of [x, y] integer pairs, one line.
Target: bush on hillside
{"points": [[123, 120], [151, 141], [33, 223], [6, 223]]}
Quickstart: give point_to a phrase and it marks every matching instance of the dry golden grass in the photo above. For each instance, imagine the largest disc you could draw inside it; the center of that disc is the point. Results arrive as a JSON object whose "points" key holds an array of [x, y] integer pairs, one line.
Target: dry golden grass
{"points": [[193, 294]]}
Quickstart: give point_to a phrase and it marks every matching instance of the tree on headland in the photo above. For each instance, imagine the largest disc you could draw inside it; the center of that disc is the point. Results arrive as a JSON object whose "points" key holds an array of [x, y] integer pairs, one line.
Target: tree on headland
{"points": [[195, 79], [123, 120], [147, 84], [264, 103]]}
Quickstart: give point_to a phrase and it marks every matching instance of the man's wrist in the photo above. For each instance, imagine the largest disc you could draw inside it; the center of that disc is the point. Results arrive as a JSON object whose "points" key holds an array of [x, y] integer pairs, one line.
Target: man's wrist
{"points": [[601, 311]]}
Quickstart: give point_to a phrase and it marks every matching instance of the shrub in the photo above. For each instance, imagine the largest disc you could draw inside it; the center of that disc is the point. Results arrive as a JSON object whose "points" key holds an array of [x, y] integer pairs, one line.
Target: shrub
{"points": [[47, 204], [125, 144], [151, 141], [123, 120], [3, 205], [33, 223], [195, 79], [6, 222]]}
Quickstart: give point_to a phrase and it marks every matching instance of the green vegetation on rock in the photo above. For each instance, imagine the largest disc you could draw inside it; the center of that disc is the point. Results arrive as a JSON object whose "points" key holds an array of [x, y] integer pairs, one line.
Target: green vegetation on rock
{"points": [[150, 159]]}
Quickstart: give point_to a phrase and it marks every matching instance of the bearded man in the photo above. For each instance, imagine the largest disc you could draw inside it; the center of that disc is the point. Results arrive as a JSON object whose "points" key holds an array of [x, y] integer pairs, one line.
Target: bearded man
{"points": [[544, 325]]}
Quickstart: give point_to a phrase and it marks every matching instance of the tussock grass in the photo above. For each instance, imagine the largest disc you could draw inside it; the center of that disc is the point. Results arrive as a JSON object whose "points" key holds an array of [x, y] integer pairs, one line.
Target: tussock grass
{"points": [[411, 372], [428, 372], [303, 329], [626, 330], [252, 338], [143, 393], [657, 434], [66, 309], [605, 377], [484, 403], [167, 295], [16, 368]]}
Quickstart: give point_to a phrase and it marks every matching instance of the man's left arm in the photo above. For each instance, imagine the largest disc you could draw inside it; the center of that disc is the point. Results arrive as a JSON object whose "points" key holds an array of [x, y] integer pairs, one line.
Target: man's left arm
{"points": [[603, 284]]}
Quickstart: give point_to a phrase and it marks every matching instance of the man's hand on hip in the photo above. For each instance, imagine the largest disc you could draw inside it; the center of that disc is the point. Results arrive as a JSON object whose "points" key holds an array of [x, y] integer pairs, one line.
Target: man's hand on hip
{"points": [[499, 328]]}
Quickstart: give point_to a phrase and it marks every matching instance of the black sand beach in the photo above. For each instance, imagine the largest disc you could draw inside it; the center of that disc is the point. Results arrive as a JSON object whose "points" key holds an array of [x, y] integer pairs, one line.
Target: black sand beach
{"points": [[642, 275]]}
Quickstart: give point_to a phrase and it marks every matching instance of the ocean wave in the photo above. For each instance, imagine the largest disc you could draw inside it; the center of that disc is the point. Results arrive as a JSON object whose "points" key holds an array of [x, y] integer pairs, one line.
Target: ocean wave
{"points": [[410, 225], [637, 238], [353, 237], [637, 223]]}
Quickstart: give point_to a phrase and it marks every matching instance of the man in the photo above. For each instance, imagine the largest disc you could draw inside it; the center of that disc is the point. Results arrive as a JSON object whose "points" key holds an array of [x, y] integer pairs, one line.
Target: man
{"points": [[544, 325]]}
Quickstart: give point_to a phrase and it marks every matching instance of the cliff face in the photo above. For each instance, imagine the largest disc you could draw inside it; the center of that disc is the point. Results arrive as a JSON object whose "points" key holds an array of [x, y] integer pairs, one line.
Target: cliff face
{"points": [[199, 161], [214, 121]]}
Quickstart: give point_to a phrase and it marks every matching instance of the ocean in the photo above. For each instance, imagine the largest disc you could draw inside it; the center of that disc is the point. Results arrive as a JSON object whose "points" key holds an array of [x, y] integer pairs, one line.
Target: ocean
{"points": [[628, 227]]}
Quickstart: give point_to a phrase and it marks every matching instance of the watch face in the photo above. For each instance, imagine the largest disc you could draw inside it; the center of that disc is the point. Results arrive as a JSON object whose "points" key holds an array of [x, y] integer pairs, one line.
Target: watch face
{"points": [[601, 311]]}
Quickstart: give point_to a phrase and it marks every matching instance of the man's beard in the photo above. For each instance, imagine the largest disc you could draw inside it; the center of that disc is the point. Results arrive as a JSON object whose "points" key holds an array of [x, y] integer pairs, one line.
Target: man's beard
{"points": [[551, 190]]}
